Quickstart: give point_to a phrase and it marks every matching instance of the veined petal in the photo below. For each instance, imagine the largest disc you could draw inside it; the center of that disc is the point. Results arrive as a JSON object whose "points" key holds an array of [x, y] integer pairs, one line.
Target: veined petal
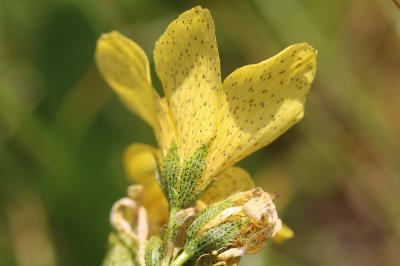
{"points": [[262, 101], [125, 67], [165, 126], [187, 63], [141, 166], [227, 183]]}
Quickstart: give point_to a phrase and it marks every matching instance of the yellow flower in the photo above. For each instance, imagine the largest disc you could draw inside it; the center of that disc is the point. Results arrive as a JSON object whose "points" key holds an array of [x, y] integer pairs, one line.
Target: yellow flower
{"points": [[203, 125]]}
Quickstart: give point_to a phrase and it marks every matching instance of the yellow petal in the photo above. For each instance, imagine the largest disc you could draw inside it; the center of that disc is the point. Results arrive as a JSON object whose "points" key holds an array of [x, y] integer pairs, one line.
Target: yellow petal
{"points": [[262, 101], [230, 181], [165, 126], [141, 165], [187, 63], [285, 233], [125, 67]]}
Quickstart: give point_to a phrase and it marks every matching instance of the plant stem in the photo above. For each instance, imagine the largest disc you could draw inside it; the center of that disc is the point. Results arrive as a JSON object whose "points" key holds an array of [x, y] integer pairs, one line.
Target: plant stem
{"points": [[181, 259], [170, 235]]}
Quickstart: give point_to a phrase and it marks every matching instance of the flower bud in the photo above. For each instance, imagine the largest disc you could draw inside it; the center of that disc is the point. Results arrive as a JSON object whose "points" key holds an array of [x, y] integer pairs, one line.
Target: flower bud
{"points": [[244, 221]]}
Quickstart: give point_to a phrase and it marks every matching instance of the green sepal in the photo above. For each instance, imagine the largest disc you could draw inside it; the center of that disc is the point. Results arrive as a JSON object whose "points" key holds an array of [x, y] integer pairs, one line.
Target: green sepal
{"points": [[181, 184], [170, 175], [205, 216], [216, 238], [192, 171]]}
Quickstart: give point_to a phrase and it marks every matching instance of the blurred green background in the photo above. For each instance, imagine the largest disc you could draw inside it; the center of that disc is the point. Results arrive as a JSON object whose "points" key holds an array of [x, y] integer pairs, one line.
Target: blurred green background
{"points": [[62, 131]]}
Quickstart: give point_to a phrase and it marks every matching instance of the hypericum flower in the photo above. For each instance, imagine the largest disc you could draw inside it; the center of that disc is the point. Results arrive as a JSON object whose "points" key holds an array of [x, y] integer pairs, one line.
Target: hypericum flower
{"points": [[204, 126]]}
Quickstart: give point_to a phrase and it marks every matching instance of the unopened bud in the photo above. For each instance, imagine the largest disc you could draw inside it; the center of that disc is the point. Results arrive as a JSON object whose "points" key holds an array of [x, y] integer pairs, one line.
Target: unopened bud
{"points": [[237, 225]]}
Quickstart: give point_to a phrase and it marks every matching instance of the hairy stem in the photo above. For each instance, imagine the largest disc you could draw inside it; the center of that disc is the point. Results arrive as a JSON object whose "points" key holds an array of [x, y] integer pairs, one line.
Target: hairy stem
{"points": [[170, 236]]}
